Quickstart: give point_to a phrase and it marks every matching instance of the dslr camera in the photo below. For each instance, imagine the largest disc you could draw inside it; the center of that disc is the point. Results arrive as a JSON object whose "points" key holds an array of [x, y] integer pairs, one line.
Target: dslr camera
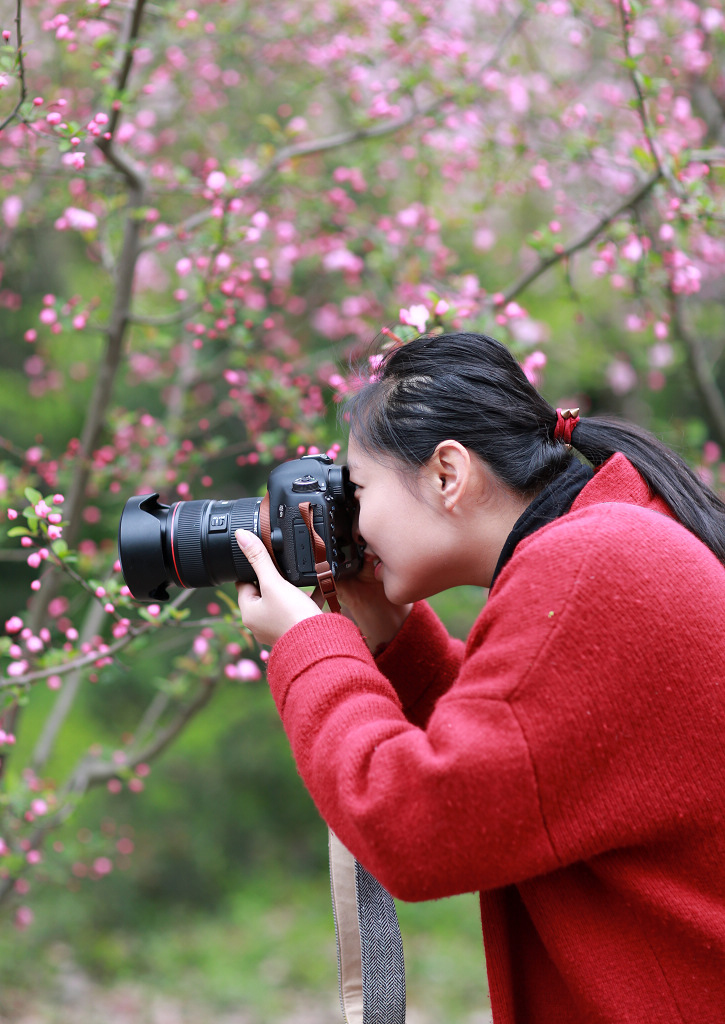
{"points": [[305, 521]]}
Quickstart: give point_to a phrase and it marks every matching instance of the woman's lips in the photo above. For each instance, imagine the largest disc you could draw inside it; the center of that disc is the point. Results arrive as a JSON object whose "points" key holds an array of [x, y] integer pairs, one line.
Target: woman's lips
{"points": [[378, 570]]}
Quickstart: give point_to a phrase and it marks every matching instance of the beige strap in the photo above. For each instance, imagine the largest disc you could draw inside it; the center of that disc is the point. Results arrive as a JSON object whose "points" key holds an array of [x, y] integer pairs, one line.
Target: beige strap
{"points": [[347, 930]]}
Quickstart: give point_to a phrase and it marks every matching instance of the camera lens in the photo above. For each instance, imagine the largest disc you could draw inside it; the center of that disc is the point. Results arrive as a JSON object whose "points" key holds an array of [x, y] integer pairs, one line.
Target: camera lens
{"points": [[189, 543]]}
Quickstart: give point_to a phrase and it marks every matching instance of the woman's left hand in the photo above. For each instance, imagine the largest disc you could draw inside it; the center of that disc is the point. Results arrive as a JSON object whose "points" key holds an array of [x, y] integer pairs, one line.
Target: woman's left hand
{"points": [[275, 606]]}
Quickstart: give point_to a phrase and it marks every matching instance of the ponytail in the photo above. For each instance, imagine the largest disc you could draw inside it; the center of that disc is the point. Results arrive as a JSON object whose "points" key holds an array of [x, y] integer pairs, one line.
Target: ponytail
{"points": [[469, 387]]}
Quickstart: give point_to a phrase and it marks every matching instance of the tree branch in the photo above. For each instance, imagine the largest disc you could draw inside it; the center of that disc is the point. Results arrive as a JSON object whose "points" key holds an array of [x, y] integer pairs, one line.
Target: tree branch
{"points": [[584, 240], [92, 772], [337, 141], [21, 65], [93, 656], [710, 394]]}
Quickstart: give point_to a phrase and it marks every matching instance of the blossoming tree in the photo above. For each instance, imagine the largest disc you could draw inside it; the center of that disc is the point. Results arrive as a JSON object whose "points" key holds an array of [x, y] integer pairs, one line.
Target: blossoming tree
{"points": [[206, 209]]}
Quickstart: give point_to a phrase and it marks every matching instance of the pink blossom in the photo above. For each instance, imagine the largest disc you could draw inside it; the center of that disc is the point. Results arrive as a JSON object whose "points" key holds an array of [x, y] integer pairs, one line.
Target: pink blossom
{"points": [[343, 259], [201, 646], [23, 917], [102, 866], [75, 160], [532, 366], [78, 220], [661, 355], [39, 807], [415, 316], [622, 377], [248, 670], [711, 452], [54, 682], [47, 316], [632, 249], [12, 208], [12, 513], [216, 181]]}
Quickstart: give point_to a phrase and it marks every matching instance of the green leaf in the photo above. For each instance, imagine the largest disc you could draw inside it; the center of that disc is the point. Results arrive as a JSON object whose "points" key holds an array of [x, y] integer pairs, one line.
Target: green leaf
{"points": [[59, 548], [233, 606], [32, 495], [19, 531]]}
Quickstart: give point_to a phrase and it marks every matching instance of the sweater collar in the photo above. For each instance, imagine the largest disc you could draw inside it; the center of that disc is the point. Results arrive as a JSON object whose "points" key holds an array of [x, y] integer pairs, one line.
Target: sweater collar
{"points": [[555, 500]]}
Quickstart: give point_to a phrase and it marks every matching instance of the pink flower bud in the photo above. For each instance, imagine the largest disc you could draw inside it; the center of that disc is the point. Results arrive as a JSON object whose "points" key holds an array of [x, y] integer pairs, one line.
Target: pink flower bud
{"points": [[34, 559], [54, 682], [14, 624], [12, 514], [23, 917], [102, 866], [31, 334]]}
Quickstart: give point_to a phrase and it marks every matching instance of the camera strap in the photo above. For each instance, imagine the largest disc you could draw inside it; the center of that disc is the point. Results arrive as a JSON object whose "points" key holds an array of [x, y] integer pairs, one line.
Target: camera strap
{"points": [[370, 964], [325, 579]]}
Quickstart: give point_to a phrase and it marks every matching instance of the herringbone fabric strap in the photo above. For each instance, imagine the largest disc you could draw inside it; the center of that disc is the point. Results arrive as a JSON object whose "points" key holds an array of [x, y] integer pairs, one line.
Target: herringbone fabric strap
{"points": [[383, 967], [371, 968]]}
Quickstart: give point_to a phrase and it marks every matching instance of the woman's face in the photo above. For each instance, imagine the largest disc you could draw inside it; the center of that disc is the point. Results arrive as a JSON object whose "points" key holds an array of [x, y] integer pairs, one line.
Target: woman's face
{"points": [[399, 526], [440, 527]]}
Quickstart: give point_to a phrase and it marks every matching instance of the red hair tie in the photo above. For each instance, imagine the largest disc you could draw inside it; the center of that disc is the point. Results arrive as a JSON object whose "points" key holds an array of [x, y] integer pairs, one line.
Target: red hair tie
{"points": [[566, 420]]}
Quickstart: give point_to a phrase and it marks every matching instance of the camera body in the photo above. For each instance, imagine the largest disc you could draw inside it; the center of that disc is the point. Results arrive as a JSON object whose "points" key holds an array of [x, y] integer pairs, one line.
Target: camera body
{"points": [[305, 520]]}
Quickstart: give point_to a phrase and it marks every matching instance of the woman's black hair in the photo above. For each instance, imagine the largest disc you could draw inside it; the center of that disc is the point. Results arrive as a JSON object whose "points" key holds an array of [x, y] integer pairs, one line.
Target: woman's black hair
{"points": [[470, 388]]}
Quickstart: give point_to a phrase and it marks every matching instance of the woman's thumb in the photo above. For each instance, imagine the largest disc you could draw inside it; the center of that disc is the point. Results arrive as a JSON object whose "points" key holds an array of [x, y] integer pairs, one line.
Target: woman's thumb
{"points": [[257, 555]]}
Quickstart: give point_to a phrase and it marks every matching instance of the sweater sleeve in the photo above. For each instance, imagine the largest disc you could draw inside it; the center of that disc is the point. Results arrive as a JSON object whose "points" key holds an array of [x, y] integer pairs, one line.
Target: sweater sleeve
{"points": [[421, 662], [430, 812]]}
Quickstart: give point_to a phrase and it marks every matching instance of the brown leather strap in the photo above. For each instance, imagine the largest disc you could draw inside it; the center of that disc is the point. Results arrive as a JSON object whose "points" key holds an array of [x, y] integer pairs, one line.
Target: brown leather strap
{"points": [[325, 579]]}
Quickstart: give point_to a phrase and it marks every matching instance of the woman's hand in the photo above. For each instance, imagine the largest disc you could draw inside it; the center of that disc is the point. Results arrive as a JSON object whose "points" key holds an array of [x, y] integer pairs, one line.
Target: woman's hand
{"points": [[364, 601], [276, 605]]}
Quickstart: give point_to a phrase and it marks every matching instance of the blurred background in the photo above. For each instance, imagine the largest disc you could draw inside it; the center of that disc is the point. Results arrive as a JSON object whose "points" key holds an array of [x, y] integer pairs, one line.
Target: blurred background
{"points": [[211, 220]]}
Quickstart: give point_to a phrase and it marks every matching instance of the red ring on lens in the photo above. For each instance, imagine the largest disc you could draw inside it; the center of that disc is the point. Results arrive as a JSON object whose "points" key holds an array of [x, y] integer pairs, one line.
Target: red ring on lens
{"points": [[177, 506]]}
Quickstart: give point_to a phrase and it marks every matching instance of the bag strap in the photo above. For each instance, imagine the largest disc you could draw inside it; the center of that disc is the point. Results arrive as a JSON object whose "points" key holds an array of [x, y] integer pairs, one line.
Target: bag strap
{"points": [[370, 962], [325, 579]]}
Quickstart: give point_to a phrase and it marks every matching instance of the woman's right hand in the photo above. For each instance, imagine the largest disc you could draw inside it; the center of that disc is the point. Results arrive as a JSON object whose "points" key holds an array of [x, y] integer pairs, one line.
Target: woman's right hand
{"points": [[363, 600]]}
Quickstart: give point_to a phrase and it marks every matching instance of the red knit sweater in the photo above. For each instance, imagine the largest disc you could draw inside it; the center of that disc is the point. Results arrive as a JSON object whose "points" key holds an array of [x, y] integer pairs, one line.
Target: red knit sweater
{"points": [[569, 763]]}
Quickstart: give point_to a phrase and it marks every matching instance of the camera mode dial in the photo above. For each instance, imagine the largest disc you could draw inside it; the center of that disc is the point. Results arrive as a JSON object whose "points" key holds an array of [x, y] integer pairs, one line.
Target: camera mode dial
{"points": [[305, 483]]}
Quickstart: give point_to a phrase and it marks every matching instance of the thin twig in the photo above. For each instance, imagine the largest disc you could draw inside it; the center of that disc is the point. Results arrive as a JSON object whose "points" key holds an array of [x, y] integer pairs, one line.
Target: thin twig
{"points": [[165, 321], [664, 171]]}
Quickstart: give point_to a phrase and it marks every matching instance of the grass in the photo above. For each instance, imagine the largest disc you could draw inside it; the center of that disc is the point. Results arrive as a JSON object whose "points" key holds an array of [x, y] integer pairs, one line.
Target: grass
{"points": [[268, 951]]}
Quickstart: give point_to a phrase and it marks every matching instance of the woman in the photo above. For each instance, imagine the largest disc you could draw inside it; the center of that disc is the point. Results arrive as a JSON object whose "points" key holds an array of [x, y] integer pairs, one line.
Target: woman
{"points": [[568, 761]]}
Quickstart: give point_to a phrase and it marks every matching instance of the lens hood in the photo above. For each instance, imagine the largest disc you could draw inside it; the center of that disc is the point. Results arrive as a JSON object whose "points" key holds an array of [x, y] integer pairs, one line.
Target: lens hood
{"points": [[141, 545]]}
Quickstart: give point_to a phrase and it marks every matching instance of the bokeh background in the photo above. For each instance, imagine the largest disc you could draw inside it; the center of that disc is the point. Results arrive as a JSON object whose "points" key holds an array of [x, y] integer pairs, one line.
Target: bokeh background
{"points": [[211, 218]]}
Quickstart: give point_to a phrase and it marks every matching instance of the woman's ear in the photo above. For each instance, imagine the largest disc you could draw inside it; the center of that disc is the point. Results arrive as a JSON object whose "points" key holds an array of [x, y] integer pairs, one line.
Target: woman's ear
{"points": [[449, 472]]}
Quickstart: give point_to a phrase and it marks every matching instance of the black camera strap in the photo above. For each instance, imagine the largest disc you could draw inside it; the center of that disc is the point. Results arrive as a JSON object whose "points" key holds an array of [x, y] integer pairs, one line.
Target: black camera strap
{"points": [[370, 964], [325, 579]]}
